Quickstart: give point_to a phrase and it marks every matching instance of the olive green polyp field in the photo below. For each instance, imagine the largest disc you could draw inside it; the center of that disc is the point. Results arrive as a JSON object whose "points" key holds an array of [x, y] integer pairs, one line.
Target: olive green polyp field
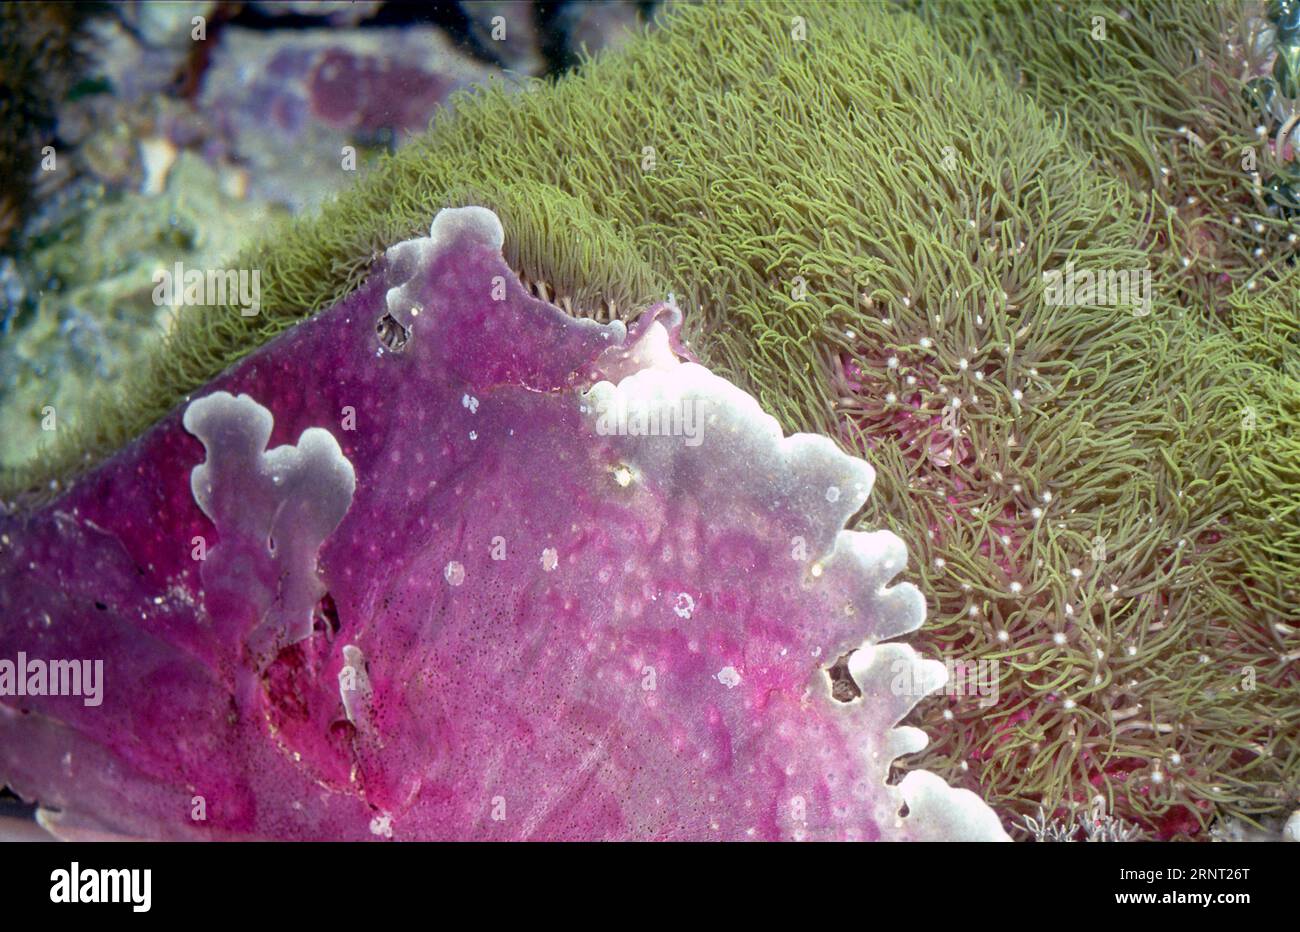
{"points": [[854, 204]]}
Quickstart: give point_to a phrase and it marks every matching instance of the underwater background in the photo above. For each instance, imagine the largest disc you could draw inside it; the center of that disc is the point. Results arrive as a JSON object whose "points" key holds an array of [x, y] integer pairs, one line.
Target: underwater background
{"points": [[1033, 261]]}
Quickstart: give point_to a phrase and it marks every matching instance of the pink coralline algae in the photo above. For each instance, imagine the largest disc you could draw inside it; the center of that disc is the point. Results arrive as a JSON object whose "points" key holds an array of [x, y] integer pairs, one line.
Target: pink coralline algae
{"points": [[501, 574], [315, 92]]}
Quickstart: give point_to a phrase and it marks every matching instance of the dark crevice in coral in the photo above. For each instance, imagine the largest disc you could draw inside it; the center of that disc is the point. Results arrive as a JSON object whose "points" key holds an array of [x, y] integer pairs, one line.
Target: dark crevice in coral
{"points": [[12, 805], [42, 56], [555, 47], [392, 334], [326, 617], [843, 689]]}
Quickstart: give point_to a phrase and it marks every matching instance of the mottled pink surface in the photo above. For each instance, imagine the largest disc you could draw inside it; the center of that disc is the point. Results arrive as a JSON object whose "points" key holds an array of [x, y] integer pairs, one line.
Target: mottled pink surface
{"points": [[646, 661], [321, 94]]}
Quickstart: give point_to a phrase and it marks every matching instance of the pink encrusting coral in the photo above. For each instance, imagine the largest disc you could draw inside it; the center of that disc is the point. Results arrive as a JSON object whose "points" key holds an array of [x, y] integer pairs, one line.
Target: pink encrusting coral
{"points": [[502, 574]]}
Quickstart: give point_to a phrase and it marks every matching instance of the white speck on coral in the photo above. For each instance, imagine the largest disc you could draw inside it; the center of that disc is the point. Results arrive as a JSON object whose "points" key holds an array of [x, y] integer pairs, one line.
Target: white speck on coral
{"points": [[833, 494], [454, 573], [728, 677], [470, 402], [684, 606], [550, 559], [382, 825]]}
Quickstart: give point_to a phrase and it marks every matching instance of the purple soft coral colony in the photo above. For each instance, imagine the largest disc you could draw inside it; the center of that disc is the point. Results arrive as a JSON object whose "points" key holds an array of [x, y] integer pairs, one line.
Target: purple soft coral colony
{"points": [[500, 574]]}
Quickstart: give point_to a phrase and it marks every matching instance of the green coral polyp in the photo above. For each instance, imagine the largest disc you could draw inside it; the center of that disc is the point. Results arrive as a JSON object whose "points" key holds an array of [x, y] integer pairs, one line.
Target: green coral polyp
{"points": [[856, 224]]}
